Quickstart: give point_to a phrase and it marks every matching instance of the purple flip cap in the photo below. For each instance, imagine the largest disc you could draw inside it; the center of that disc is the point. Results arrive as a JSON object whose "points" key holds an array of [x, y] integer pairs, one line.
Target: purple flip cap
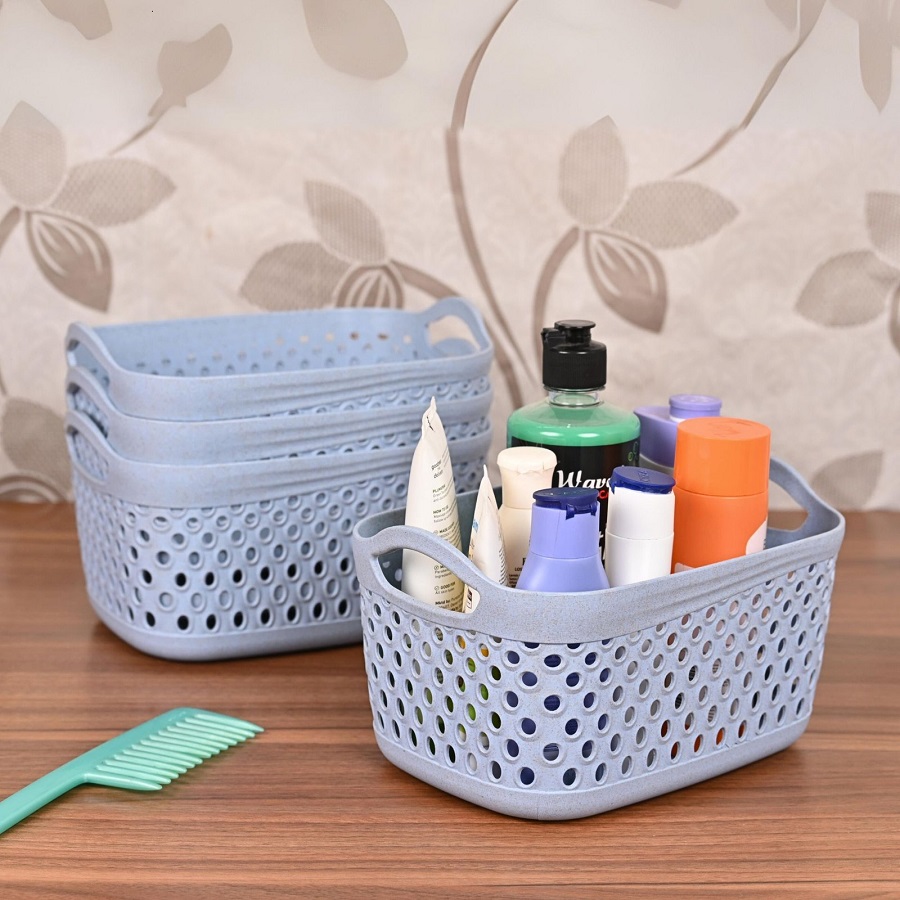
{"points": [[693, 406], [659, 428], [564, 523]]}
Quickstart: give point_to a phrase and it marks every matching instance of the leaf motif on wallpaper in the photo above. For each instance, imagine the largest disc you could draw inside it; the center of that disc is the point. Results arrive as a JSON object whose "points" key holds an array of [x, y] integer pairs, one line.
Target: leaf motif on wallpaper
{"points": [[883, 221], [593, 173], [894, 319], [849, 289], [32, 156], [357, 37], [301, 275], [879, 32], [371, 286], [346, 225], [8, 223], [789, 12], [72, 257], [808, 13], [785, 10], [90, 17], [674, 213], [849, 482], [184, 67], [875, 63], [33, 438], [628, 277], [112, 191]]}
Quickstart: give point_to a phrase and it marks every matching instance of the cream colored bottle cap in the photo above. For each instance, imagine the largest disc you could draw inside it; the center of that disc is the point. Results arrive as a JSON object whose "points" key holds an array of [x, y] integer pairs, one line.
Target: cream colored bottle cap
{"points": [[524, 470]]}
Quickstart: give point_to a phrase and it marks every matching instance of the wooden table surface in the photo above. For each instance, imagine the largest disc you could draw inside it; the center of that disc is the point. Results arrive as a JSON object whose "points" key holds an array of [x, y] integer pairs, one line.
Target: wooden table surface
{"points": [[312, 807]]}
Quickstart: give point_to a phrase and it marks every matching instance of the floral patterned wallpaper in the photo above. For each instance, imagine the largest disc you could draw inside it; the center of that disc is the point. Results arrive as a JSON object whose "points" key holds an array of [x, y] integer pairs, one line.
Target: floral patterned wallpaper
{"points": [[719, 189]]}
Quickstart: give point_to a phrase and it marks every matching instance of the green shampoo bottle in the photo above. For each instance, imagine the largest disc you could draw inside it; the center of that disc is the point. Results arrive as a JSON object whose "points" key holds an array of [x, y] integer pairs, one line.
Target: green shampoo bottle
{"points": [[589, 436]]}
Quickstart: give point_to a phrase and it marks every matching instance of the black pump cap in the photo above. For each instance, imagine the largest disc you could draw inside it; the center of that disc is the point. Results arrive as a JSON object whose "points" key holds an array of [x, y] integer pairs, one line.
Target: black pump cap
{"points": [[572, 361]]}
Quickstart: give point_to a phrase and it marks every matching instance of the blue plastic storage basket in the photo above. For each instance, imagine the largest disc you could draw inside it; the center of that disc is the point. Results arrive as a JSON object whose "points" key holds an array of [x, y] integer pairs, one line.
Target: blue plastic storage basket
{"points": [[274, 363], [552, 706], [235, 559]]}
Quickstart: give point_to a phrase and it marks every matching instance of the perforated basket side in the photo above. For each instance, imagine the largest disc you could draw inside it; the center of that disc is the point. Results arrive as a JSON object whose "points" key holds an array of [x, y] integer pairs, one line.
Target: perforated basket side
{"points": [[566, 730], [232, 580]]}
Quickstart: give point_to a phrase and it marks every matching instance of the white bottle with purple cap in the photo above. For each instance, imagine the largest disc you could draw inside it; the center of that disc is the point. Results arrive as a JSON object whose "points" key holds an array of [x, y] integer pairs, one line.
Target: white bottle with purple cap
{"points": [[640, 525], [659, 426]]}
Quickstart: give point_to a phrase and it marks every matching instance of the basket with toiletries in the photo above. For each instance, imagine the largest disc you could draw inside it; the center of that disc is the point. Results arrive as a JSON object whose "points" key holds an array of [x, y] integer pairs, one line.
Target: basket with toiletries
{"points": [[560, 670], [557, 705], [220, 465]]}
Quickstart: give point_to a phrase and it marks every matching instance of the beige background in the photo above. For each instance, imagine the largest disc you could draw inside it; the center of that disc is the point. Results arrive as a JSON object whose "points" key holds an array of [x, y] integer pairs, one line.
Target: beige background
{"points": [[717, 185]]}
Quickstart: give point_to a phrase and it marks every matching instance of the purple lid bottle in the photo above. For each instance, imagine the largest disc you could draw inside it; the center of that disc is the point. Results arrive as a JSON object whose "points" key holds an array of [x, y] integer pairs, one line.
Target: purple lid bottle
{"points": [[659, 426], [563, 555]]}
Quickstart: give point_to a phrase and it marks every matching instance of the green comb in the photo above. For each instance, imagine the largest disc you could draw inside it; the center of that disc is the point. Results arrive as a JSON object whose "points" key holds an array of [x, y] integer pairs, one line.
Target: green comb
{"points": [[142, 759]]}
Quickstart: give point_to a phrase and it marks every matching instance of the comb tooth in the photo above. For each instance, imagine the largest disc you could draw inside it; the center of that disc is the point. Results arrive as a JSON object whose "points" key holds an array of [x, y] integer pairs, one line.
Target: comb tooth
{"points": [[227, 720], [139, 769], [163, 753], [148, 778], [194, 734], [218, 738], [215, 729], [166, 745], [163, 758], [122, 781], [179, 743], [147, 763], [139, 772], [195, 740], [230, 726]]}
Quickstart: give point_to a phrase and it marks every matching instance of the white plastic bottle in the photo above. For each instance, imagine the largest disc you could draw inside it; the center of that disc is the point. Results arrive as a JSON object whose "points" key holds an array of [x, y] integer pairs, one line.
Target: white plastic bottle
{"points": [[523, 470], [640, 526]]}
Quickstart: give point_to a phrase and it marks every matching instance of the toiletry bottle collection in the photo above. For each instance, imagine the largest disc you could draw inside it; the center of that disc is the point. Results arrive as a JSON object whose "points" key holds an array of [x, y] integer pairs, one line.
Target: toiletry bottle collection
{"points": [[593, 496]]}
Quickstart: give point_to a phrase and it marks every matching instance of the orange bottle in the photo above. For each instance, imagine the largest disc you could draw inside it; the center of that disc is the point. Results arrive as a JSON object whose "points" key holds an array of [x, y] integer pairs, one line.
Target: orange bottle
{"points": [[721, 490]]}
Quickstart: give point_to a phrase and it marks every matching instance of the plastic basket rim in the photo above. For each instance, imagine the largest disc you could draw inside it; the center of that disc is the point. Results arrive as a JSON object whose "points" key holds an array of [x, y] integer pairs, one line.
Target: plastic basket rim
{"points": [[221, 484], [452, 411], [545, 618], [393, 373]]}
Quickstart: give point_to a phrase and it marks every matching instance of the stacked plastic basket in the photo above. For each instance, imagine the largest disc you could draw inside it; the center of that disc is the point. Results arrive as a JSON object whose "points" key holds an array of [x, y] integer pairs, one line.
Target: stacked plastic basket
{"points": [[220, 465]]}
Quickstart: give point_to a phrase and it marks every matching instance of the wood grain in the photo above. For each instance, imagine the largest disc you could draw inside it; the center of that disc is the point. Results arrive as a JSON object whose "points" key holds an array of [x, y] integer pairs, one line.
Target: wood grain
{"points": [[312, 807]]}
